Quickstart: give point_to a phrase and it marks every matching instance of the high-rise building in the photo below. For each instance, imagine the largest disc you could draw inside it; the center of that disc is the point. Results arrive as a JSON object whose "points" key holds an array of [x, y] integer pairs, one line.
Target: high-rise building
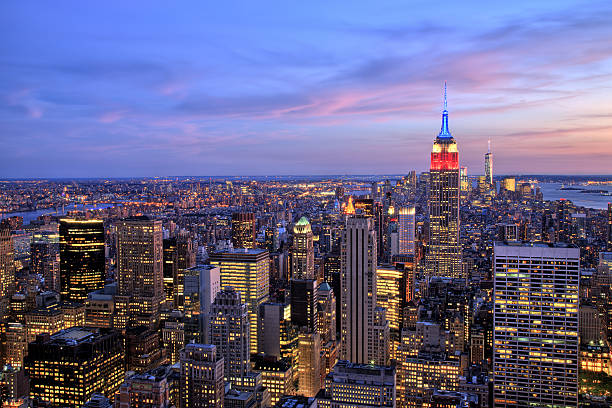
{"points": [[140, 270], [536, 325], [151, 390], [276, 376], [509, 184], [304, 304], [406, 228], [201, 384], [610, 227], [358, 289], [464, 180], [201, 285], [327, 313], [243, 230], [309, 366], [277, 337], [44, 255], [65, 369], [444, 249], [229, 332], [302, 252], [248, 272], [358, 385], [488, 164], [82, 261], [185, 258], [7, 265], [170, 268]]}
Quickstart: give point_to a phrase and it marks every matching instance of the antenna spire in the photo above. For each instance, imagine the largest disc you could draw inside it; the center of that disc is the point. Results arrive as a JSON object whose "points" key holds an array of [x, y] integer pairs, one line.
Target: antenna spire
{"points": [[444, 131], [489, 146], [444, 95]]}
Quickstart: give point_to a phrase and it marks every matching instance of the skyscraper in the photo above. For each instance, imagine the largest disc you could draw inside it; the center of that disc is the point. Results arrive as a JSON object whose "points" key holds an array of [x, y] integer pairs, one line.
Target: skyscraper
{"points": [[229, 332], [140, 270], [7, 264], [44, 250], [304, 301], [489, 165], [82, 261], [536, 325], [201, 384], [243, 230], [610, 227], [202, 283], [309, 365], [358, 289], [444, 251], [68, 367], [302, 252], [248, 272], [359, 385], [406, 228]]}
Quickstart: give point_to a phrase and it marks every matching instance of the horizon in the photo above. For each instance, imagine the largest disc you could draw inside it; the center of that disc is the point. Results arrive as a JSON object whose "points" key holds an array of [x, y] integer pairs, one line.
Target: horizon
{"points": [[150, 89], [213, 177]]}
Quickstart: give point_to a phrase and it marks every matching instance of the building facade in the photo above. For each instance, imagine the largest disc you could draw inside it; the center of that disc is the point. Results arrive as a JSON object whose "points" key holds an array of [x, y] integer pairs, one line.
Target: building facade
{"points": [[248, 272], [82, 260], [536, 325]]}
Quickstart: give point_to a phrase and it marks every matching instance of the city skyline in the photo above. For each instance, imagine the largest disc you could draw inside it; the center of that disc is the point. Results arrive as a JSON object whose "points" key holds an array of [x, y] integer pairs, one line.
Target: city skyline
{"points": [[136, 91]]}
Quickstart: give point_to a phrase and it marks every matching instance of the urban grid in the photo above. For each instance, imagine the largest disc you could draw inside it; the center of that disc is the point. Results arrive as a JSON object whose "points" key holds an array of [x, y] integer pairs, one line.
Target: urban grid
{"points": [[433, 288]]}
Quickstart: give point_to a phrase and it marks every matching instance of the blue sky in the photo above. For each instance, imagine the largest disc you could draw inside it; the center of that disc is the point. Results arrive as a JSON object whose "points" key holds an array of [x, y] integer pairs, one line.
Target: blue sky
{"points": [[248, 88]]}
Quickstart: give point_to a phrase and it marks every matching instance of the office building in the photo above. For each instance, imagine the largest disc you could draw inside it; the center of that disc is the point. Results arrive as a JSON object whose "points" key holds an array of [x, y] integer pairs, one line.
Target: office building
{"points": [[610, 227], [304, 301], [326, 313], [248, 272], [406, 227], [82, 260], [276, 376], [7, 266], [66, 368], [229, 332], [140, 289], [146, 390], [309, 366], [201, 377], [201, 285], [278, 336], [44, 259], [358, 386], [444, 250], [536, 325], [243, 230], [302, 251], [488, 166], [358, 289]]}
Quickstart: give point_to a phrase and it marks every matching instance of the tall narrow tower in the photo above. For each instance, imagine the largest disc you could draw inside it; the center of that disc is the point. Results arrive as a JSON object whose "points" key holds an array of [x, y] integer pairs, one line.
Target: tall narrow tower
{"points": [[358, 289], [302, 253], [444, 255], [489, 166]]}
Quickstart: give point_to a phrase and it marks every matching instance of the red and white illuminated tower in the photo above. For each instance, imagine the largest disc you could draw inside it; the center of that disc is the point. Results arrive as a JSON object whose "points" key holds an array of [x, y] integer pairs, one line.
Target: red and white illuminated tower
{"points": [[444, 251]]}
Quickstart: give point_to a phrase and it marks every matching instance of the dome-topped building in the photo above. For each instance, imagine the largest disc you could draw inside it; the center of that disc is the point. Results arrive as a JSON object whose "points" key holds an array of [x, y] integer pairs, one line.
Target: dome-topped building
{"points": [[302, 252], [302, 226]]}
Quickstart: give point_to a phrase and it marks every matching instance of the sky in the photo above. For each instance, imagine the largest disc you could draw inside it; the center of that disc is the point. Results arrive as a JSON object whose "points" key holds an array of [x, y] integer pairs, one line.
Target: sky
{"points": [[205, 88]]}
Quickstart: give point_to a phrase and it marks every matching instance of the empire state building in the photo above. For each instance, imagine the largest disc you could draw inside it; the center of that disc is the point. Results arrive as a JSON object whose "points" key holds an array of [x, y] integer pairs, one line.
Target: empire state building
{"points": [[444, 250]]}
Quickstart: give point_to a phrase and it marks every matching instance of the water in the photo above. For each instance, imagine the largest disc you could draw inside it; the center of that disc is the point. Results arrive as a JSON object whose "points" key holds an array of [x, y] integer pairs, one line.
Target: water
{"points": [[29, 216], [552, 192]]}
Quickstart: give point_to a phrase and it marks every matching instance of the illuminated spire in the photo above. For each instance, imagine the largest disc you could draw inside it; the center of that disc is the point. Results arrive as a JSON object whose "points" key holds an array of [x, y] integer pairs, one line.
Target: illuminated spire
{"points": [[444, 132], [444, 95], [350, 208], [489, 146]]}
